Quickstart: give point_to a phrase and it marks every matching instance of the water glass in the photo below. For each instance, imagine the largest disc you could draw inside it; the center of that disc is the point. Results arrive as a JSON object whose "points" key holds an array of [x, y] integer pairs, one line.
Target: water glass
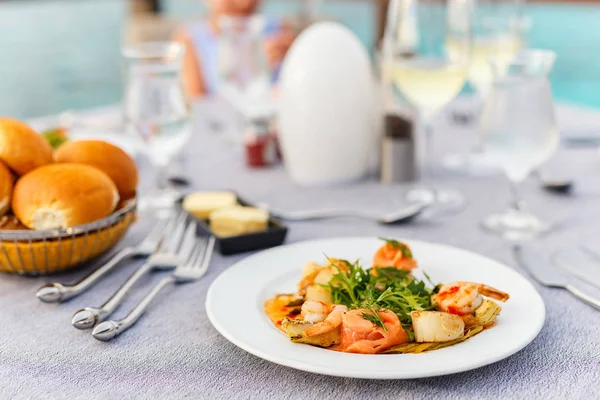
{"points": [[520, 133], [497, 31], [243, 71], [156, 109]]}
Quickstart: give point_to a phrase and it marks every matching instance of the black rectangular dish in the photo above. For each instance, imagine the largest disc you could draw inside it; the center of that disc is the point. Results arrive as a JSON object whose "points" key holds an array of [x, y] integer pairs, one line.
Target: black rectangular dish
{"points": [[273, 236]]}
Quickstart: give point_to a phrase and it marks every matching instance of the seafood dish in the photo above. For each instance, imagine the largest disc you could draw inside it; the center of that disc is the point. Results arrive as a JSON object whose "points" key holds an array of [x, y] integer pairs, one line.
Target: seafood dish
{"points": [[383, 309]]}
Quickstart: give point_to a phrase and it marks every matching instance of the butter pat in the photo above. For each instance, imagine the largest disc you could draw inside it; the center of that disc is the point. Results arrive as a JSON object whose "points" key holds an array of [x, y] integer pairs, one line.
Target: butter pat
{"points": [[238, 220], [202, 204]]}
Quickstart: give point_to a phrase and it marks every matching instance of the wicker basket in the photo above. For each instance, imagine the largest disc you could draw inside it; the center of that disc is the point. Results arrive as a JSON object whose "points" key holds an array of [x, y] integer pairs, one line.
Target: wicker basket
{"points": [[45, 252]]}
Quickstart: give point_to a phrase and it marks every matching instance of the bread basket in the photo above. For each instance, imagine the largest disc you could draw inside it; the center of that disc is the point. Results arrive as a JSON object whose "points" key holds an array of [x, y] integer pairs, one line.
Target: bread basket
{"points": [[50, 251]]}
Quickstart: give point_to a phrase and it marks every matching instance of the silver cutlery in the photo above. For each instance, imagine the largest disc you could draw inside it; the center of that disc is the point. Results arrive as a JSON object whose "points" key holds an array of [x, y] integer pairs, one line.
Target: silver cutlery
{"points": [[164, 258], [555, 185], [580, 264], [543, 272], [194, 268], [559, 186], [592, 251], [59, 292], [402, 215], [581, 140]]}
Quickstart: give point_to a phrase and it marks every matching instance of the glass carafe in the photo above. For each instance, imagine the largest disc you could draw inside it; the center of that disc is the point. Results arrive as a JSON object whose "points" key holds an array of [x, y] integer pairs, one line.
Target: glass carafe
{"points": [[156, 109], [520, 133]]}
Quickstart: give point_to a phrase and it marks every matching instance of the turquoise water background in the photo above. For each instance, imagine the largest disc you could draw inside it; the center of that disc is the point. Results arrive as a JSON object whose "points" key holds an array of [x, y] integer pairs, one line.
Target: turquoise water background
{"points": [[64, 54]]}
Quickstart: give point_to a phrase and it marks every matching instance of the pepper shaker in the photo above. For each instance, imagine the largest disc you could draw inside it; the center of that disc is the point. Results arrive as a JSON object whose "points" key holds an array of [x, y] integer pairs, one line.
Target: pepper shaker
{"points": [[398, 143], [398, 150]]}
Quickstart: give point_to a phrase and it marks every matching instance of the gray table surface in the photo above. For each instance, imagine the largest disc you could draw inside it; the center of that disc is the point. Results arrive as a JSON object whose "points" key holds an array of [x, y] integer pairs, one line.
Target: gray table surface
{"points": [[174, 352]]}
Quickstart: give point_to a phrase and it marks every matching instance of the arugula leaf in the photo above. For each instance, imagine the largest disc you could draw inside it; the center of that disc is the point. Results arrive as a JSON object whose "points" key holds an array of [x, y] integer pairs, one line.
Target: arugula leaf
{"points": [[386, 289], [345, 287], [429, 279], [406, 252]]}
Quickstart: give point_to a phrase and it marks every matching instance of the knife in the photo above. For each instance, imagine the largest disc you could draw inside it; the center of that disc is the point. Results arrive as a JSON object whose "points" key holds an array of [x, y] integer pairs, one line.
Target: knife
{"points": [[542, 271], [578, 264], [579, 141]]}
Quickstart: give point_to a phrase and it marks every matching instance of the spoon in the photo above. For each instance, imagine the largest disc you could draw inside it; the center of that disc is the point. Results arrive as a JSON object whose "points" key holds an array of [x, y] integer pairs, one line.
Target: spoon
{"points": [[179, 180], [555, 184], [558, 186], [400, 216]]}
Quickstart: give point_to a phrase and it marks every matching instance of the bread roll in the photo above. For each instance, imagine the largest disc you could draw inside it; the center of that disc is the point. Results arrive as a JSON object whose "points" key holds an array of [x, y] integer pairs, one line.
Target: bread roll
{"points": [[106, 157], [201, 204], [63, 195], [235, 221], [11, 223], [6, 187], [21, 148]]}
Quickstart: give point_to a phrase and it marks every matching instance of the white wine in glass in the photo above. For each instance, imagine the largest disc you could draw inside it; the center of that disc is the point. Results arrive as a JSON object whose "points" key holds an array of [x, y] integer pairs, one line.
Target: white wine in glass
{"points": [[429, 83], [429, 76], [501, 47]]}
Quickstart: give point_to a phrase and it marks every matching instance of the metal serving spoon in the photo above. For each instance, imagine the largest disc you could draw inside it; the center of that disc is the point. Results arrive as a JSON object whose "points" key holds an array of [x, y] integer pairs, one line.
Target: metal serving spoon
{"points": [[555, 184], [560, 186], [400, 216]]}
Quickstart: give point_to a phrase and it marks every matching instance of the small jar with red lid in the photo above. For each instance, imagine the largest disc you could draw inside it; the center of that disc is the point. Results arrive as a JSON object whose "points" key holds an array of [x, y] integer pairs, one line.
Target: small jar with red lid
{"points": [[261, 143]]}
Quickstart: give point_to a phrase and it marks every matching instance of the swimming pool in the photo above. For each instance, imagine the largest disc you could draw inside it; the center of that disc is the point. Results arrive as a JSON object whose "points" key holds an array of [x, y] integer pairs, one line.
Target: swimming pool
{"points": [[66, 55]]}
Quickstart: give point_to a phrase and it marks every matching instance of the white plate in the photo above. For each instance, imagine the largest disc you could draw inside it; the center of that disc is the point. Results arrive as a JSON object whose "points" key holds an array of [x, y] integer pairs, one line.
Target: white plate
{"points": [[235, 307]]}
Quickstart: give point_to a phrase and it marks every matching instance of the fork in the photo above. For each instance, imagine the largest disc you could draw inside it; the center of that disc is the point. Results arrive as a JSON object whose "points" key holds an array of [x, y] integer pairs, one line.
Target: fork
{"points": [[192, 270], [165, 257], [59, 292]]}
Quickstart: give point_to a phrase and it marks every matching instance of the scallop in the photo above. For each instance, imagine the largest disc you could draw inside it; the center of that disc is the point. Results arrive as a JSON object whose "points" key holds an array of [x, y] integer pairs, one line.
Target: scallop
{"points": [[435, 326]]}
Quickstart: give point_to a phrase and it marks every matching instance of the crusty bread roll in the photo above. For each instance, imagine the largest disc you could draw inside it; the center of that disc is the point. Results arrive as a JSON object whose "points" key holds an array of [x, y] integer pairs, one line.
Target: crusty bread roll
{"points": [[21, 148], [11, 223], [6, 187], [63, 195], [201, 204], [106, 157], [238, 220]]}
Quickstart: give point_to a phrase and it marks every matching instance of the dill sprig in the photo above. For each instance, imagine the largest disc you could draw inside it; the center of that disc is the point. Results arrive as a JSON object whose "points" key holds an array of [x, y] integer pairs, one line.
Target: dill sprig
{"points": [[372, 315]]}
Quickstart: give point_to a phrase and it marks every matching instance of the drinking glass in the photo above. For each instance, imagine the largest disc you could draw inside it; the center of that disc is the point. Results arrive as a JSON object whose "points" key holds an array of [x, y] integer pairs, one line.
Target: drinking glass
{"points": [[308, 10], [156, 110], [496, 32], [244, 78], [426, 73], [520, 133]]}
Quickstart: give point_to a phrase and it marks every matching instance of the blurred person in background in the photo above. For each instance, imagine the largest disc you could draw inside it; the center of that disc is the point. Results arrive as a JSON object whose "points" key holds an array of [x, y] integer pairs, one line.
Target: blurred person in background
{"points": [[200, 68]]}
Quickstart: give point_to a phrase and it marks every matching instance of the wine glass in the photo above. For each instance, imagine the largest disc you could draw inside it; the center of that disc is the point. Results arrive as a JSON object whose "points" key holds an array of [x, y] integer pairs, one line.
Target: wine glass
{"points": [[497, 31], [426, 73], [156, 110], [520, 133], [244, 78]]}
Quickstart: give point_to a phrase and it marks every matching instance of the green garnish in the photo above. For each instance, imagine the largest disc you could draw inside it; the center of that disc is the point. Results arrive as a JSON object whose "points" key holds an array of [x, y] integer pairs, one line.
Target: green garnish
{"points": [[400, 246], [55, 137], [410, 333], [389, 289], [429, 279], [372, 315], [347, 285]]}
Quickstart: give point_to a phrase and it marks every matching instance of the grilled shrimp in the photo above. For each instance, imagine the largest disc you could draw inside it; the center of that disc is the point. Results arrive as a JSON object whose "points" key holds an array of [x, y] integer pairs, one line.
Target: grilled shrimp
{"points": [[326, 317], [463, 298]]}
